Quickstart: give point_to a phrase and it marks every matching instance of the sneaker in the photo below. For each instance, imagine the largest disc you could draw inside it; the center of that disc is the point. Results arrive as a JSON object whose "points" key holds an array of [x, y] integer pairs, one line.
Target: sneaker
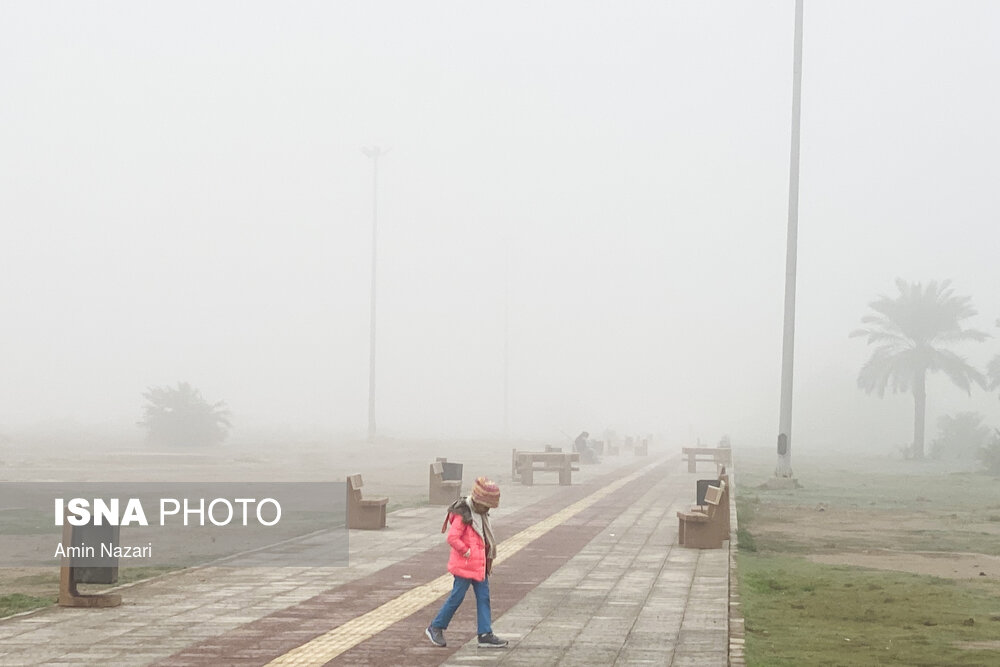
{"points": [[490, 640], [436, 635]]}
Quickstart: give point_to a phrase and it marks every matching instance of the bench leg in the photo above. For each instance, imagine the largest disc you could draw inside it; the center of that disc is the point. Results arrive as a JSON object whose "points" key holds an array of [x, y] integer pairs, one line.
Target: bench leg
{"points": [[703, 535], [367, 518], [565, 477], [691, 464], [528, 476]]}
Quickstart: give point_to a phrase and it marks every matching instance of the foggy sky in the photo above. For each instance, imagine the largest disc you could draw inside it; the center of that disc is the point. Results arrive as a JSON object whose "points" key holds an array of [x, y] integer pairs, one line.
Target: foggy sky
{"points": [[183, 198]]}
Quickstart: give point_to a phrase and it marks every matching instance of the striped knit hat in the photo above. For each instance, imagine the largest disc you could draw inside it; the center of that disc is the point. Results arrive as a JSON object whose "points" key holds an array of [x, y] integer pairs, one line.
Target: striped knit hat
{"points": [[486, 492]]}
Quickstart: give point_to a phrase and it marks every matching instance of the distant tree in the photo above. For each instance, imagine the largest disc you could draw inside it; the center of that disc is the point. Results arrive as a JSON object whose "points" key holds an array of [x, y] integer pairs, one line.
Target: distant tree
{"points": [[993, 370], [910, 331], [181, 417], [960, 436], [989, 455]]}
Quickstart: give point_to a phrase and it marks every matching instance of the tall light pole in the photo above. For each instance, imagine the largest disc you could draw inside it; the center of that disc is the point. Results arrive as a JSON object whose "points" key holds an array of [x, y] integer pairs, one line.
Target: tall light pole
{"points": [[506, 341], [784, 468], [374, 152]]}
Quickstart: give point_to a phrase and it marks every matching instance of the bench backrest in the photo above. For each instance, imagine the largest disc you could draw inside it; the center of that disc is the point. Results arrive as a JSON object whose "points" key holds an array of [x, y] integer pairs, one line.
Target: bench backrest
{"points": [[354, 484], [714, 495]]}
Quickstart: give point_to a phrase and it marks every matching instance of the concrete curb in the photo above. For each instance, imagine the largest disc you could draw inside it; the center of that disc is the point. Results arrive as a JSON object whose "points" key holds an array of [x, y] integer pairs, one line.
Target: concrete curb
{"points": [[737, 627]]}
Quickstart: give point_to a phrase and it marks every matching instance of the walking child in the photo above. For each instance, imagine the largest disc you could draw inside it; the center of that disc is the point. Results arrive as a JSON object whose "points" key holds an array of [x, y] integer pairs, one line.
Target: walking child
{"points": [[473, 549]]}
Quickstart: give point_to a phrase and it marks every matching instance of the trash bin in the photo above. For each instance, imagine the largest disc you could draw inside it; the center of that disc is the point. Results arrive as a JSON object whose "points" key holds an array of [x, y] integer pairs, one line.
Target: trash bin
{"points": [[94, 536], [702, 489], [451, 471]]}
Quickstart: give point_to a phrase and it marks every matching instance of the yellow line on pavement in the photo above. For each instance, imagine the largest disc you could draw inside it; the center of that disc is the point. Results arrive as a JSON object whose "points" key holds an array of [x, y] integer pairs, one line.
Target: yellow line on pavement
{"points": [[329, 645]]}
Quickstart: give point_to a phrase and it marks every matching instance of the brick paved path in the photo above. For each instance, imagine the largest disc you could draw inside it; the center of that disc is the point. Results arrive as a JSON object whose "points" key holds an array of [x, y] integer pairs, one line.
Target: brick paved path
{"points": [[592, 578]]}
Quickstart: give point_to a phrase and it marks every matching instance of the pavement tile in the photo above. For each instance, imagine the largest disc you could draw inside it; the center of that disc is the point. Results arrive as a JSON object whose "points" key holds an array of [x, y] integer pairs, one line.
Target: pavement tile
{"points": [[629, 596], [646, 587]]}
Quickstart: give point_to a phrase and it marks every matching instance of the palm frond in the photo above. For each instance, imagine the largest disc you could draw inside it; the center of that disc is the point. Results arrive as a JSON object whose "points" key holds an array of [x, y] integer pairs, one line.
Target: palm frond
{"points": [[962, 335], [993, 372], [882, 337], [885, 369], [958, 370]]}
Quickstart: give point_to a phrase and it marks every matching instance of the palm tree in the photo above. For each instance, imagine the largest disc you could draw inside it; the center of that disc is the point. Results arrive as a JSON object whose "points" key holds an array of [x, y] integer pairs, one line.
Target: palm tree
{"points": [[910, 331], [182, 417]]}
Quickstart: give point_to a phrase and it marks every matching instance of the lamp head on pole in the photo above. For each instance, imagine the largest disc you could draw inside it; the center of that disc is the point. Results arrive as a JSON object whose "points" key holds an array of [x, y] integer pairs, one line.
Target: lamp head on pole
{"points": [[374, 152]]}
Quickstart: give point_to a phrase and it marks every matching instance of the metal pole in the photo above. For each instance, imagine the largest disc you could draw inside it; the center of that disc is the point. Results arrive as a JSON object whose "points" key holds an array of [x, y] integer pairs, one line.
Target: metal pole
{"points": [[374, 153], [784, 467], [506, 342]]}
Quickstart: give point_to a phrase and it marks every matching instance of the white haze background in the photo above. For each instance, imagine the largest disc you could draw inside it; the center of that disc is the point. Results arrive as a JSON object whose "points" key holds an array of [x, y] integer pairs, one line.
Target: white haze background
{"points": [[183, 197]]}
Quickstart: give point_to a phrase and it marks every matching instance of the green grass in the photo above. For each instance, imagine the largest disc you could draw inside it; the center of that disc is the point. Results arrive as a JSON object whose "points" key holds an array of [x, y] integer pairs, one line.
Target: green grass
{"points": [[798, 612], [50, 578], [16, 603], [21, 521], [802, 613]]}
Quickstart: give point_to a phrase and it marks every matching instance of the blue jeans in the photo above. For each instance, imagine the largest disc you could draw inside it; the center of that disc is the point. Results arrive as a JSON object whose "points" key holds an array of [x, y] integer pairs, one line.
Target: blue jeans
{"points": [[458, 591]]}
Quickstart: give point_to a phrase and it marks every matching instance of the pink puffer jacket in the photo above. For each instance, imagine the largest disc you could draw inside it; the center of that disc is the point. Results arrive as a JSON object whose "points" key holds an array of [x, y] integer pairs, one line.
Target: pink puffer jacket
{"points": [[463, 537]]}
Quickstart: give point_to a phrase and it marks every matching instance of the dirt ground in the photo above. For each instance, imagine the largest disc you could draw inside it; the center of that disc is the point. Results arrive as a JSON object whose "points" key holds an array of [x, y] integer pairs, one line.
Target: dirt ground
{"points": [[883, 515], [830, 527], [947, 565]]}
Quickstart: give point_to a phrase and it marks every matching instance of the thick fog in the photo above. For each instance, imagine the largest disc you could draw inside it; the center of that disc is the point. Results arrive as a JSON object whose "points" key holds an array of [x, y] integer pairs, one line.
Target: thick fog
{"points": [[183, 197]]}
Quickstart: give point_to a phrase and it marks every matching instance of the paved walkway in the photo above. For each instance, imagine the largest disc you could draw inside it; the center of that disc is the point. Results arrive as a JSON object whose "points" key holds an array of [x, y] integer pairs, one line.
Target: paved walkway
{"points": [[587, 575]]}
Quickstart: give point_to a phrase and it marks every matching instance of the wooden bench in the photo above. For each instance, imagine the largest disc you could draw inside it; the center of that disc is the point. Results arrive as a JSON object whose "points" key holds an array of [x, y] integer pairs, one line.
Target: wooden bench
{"points": [[706, 527], [364, 513], [524, 465], [445, 482], [721, 456]]}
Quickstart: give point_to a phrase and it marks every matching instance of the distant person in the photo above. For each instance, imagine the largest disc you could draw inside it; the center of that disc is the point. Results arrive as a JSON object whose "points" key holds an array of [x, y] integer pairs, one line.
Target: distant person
{"points": [[582, 445], [473, 549]]}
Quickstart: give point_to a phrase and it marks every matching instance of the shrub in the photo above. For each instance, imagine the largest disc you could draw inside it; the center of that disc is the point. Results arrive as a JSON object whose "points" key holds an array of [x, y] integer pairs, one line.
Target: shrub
{"points": [[182, 417], [989, 455], [960, 436]]}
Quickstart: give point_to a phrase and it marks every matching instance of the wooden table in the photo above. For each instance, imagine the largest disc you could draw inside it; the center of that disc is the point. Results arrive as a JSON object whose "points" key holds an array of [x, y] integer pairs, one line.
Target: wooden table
{"points": [[721, 456], [524, 465]]}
